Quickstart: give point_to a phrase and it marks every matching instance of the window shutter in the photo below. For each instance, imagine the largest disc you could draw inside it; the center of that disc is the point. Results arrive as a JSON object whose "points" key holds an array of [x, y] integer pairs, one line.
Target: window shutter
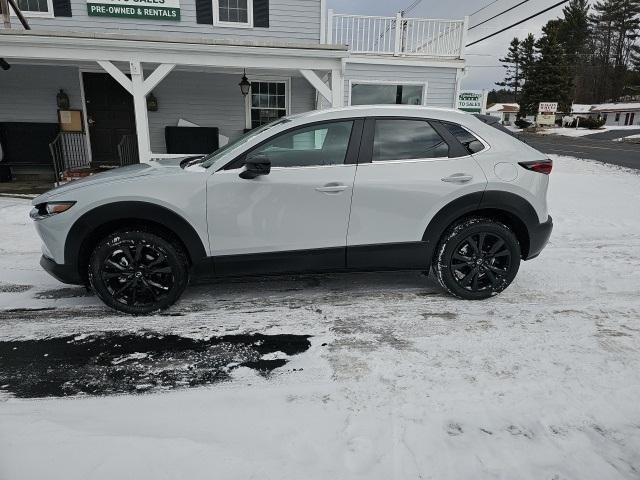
{"points": [[204, 11], [261, 13], [61, 8]]}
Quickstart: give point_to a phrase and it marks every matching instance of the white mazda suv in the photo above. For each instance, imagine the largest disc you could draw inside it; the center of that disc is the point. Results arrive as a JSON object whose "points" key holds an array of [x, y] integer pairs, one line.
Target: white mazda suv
{"points": [[349, 189]]}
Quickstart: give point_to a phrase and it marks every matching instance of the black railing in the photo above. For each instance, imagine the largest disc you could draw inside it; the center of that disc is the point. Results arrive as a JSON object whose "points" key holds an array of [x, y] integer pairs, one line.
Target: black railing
{"points": [[69, 152], [128, 150]]}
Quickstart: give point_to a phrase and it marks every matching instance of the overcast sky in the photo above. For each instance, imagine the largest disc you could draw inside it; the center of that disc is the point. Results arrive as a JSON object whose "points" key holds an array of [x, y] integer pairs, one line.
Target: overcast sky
{"points": [[483, 68]]}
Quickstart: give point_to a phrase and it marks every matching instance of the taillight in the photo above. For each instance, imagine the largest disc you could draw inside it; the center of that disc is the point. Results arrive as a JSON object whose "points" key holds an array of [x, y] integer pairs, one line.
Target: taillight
{"points": [[540, 166]]}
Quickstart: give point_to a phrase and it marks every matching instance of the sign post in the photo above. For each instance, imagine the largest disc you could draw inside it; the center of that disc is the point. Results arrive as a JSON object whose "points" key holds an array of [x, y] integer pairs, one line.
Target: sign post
{"points": [[473, 101], [547, 113], [147, 9]]}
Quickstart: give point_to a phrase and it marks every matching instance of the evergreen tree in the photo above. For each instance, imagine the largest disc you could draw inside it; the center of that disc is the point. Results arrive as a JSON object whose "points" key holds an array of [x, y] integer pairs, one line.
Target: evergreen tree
{"points": [[513, 76], [552, 72], [574, 35], [548, 77]]}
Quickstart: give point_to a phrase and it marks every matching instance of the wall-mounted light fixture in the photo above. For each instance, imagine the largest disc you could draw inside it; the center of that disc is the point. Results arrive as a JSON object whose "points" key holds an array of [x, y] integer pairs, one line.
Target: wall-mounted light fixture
{"points": [[152, 102], [62, 99], [245, 84]]}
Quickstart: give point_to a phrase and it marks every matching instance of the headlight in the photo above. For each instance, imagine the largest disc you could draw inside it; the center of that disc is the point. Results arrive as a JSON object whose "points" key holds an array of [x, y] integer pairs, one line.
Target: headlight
{"points": [[48, 209]]}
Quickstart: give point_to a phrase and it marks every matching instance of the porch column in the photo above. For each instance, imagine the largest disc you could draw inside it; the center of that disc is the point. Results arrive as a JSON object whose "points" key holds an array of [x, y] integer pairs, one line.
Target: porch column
{"points": [[140, 108], [337, 88], [139, 88]]}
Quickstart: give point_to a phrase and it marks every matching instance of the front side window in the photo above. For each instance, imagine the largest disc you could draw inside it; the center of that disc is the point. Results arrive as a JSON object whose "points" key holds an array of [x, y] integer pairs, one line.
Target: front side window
{"points": [[465, 137], [386, 94], [321, 144], [234, 11], [34, 6], [400, 139], [268, 102]]}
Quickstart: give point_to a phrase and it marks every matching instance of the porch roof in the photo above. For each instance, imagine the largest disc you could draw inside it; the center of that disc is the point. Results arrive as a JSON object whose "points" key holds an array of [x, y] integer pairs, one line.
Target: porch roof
{"points": [[186, 50]]}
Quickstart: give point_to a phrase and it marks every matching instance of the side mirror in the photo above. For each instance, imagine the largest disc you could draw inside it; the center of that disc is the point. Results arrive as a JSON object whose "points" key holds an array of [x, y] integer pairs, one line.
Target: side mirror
{"points": [[256, 166]]}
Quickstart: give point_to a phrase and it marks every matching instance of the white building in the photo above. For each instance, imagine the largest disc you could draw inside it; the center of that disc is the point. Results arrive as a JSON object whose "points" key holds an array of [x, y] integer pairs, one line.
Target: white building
{"points": [[618, 114], [123, 77], [506, 112]]}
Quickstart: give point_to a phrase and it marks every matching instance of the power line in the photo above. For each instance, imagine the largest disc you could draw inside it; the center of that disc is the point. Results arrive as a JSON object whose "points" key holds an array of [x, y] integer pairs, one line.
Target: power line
{"points": [[496, 16], [518, 23], [483, 8]]}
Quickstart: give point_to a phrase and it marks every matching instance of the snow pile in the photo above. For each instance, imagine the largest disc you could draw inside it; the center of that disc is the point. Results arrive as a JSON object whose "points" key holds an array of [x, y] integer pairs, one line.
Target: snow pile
{"points": [[400, 381]]}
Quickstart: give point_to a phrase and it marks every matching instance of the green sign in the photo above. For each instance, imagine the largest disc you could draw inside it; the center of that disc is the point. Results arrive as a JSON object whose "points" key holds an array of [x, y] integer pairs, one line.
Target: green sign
{"points": [[471, 101], [148, 9]]}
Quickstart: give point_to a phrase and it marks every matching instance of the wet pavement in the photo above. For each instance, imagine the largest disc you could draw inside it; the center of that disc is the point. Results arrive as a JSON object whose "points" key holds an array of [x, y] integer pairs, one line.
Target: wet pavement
{"points": [[121, 362]]}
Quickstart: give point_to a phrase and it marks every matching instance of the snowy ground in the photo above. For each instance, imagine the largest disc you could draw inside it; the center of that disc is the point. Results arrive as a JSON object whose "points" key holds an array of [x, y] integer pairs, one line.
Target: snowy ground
{"points": [[581, 132], [400, 381]]}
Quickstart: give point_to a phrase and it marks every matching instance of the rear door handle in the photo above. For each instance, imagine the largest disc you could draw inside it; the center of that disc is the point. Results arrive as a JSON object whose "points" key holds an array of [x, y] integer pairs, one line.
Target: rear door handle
{"points": [[458, 178], [332, 188]]}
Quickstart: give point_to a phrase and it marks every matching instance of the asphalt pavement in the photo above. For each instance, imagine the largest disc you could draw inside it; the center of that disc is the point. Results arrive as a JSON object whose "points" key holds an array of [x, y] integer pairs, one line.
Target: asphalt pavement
{"points": [[612, 134], [607, 151]]}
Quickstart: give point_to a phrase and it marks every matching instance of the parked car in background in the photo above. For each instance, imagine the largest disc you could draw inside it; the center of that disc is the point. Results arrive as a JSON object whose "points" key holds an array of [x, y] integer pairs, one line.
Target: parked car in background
{"points": [[348, 189]]}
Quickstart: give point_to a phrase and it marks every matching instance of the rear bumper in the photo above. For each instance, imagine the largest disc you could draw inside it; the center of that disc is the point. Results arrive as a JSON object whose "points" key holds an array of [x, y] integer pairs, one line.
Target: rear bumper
{"points": [[64, 273], [538, 238]]}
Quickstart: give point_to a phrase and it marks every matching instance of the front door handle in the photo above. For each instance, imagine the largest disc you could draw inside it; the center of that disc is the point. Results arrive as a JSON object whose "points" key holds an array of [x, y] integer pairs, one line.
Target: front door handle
{"points": [[458, 178], [332, 188]]}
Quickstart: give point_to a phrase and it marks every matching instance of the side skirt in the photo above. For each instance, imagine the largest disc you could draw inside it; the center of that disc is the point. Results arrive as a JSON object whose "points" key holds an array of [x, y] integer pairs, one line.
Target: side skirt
{"points": [[359, 258]]}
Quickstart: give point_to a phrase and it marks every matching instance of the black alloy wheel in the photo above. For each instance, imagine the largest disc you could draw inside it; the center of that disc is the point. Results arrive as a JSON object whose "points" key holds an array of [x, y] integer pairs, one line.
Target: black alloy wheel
{"points": [[477, 258], [138, 272]]}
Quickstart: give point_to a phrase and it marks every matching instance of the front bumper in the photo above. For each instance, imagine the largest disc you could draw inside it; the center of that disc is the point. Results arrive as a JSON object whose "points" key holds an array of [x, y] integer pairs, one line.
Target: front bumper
{"points": [[538, 238], [64, 273]]}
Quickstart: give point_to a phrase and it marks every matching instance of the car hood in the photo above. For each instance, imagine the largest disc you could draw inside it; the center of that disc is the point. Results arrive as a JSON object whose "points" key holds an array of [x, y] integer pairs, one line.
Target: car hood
{"points": [[128, 173]]}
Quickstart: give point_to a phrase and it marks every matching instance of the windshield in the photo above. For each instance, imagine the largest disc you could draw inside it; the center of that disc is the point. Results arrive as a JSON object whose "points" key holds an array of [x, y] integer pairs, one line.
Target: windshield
{"points": [[212, 158]]}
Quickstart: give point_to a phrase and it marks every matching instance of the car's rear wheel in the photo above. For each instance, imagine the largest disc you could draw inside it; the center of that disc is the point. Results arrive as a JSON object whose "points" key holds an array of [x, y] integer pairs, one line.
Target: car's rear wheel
{"points": [[477, 258], [138, 272]]}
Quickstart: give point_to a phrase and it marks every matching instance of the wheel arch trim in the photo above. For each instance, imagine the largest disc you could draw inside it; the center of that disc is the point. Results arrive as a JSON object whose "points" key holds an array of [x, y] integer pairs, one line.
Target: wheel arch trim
{"points": [[92, 220], [510, 205]]}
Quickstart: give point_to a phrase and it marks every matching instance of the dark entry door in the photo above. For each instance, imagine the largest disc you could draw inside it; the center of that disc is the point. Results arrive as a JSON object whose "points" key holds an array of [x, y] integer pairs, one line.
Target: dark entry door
{"points": [[110, 115]]}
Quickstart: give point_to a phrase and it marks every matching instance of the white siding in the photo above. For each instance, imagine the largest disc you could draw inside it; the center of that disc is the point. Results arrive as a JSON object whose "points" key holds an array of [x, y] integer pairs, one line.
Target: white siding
{"points": [[28, 92], [289, 20], [441, 81], [211, 100]]}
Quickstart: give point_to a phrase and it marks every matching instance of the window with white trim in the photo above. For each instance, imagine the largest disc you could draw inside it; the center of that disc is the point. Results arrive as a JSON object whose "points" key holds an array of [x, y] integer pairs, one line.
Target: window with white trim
{"points": [[35, 7], [268, 102], [386, 93], [234, 11]]}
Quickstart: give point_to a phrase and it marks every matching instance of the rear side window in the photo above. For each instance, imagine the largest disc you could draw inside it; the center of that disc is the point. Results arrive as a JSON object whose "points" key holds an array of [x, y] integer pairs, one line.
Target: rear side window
{"points": [[466, 138], [400, 139]]}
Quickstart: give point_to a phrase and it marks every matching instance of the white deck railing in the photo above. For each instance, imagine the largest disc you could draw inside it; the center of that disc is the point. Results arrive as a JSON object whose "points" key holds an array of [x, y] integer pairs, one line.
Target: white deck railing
{"points": [[397, 35]]}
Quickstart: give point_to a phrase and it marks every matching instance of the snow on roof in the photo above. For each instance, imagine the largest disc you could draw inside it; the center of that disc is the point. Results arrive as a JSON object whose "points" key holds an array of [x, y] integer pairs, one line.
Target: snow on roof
{"points": [[504, 107], [581, 108], [616, 107]]}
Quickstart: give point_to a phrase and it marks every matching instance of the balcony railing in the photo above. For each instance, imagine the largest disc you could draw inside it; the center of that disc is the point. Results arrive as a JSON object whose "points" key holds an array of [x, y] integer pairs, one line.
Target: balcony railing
{"points": [[398, 35]]}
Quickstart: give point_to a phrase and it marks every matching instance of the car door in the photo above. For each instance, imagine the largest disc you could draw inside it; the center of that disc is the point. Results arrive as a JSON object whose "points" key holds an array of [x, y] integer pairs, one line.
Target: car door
{"points": [[409, 168], [294, 218]]}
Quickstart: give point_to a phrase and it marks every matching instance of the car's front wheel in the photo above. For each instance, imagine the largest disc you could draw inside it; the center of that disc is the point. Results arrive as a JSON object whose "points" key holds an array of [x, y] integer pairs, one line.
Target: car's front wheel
{"points": [[477, 258], [138, 272]]}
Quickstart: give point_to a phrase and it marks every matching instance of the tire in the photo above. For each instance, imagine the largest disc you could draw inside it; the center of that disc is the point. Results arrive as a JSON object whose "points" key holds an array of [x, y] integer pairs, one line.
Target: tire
{"points": [[138, 272], [477, 258]]}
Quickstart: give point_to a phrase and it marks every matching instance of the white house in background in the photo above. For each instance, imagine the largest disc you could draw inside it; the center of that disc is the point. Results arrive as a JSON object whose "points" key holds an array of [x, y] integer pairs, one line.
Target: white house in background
{"points": [[618, 114], [124, 76], [506, 112], [581, 110]]}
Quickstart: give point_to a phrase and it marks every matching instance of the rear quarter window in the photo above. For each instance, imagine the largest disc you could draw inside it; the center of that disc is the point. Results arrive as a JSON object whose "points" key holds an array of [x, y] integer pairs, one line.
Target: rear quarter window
{"points": [[468, 140]]}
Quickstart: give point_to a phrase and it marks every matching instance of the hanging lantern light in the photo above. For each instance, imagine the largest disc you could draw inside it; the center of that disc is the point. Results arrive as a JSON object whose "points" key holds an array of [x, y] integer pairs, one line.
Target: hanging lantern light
{"points": [[152, 103], [245, 84], [62, 99]]}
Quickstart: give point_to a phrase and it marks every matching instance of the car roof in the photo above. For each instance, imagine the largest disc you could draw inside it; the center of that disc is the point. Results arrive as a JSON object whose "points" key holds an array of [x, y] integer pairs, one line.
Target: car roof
{"points": [[381, 111]]}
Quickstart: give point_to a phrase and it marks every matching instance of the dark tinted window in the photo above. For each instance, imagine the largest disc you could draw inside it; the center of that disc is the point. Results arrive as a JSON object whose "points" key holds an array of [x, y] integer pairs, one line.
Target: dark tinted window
{"points": [[398, 139], [466, 138], [321, 144], [377, 94]]}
